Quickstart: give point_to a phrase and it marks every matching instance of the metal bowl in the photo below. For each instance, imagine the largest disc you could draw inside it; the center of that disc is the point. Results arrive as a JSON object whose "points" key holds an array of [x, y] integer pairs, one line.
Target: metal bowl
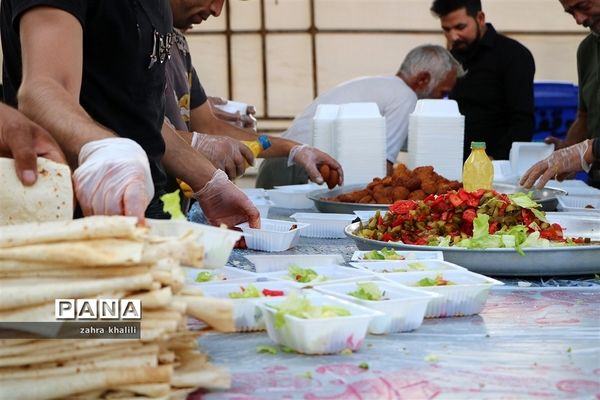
{"points": [[553, 261], [547, 198]]}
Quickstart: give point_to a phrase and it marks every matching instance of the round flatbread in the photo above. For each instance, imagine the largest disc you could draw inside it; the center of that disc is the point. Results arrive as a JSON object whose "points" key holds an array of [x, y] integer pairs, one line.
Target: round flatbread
{"points": [[49, 199]]}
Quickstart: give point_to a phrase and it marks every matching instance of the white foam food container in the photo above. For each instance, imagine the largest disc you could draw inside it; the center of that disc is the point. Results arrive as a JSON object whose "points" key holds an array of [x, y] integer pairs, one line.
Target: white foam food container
{"points": [[319, 335], [407, 255], [466, 297], [273, 263], [246, 315], [579, 203], [217, 242], [392, 266], [255, 193], [524, 154], [293, 196], [225, 275], [326, 274], [324, 225], [273, 235], [404, 307]]}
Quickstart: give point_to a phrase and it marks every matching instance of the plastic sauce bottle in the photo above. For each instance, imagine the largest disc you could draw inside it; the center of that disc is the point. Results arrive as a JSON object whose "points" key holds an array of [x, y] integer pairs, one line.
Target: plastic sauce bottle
{"points": [[257, 146], [478, 170]]}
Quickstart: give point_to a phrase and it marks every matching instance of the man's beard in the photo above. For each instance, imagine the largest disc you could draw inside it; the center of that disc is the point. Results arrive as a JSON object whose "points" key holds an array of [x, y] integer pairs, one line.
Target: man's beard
{"points": [[592, 24], [469, 47]]}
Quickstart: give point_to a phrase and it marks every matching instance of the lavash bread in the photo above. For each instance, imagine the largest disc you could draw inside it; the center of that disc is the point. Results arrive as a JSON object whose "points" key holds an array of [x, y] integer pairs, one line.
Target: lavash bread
{"points": [[49, 199]]}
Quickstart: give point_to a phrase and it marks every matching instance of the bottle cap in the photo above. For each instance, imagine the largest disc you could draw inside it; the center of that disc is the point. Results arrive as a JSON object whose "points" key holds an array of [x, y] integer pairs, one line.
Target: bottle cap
{"points": [[265, 142], [478, 145]]}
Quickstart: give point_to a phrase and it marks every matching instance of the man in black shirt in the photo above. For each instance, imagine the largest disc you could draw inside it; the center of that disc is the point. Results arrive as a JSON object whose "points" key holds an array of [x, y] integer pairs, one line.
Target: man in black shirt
{"points": [[496, 94], [93, 74]]}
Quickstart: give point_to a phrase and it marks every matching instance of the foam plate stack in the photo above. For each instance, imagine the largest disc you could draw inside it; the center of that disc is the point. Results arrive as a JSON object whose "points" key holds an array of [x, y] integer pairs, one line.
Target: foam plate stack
{"points": [[360, 142], [323, 127], [436, 136]]}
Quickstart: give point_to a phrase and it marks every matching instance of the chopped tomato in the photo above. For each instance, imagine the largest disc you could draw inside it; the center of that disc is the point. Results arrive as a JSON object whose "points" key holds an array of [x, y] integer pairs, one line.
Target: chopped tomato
{"points": [[272, 293], [493, 227], [403, 206], [387, 237], [455, 200], [469, 215], [464, 196]]}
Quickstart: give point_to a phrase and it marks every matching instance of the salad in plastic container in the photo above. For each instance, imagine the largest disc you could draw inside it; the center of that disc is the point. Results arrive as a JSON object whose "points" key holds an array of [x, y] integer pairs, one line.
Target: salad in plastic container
{"points": [[310, 276], [313, 323], [389, 267], [462, 292], [386, 254], [404, 307]]}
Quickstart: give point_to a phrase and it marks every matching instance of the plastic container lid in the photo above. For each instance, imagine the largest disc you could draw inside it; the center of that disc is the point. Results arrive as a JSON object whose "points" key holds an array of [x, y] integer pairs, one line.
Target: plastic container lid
{"points": [[264, 141]]}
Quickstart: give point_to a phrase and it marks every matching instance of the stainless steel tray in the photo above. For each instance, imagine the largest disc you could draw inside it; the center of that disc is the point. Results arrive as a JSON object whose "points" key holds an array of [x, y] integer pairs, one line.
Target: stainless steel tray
{"points": [[547, 197], [555, 261]]}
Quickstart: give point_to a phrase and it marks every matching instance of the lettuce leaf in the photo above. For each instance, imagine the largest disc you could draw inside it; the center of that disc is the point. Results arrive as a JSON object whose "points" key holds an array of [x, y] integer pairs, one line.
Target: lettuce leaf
{"points": [[248, 292], [368, 291], [171, 205], [299, 306]]}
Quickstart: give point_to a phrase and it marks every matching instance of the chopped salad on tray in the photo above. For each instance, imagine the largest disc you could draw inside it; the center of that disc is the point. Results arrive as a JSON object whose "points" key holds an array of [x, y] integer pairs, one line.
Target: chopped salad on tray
{"points": [[480, 219]]}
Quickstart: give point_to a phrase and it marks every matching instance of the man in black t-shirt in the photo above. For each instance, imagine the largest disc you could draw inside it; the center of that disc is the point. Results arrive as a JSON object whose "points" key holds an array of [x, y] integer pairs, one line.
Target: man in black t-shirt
{"points": [[496, 94], [93, 74]]}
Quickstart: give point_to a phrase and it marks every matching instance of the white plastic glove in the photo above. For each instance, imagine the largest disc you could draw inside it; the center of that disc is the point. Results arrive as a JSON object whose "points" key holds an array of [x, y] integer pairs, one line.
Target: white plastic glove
{"points": [[224, 153], [310, 158], [113, 178], [568, 159], [224, 203]]}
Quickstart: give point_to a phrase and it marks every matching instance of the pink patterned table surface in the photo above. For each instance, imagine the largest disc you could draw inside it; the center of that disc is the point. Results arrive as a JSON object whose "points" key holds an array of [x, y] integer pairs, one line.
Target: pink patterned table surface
{"points": [[534, 343]]}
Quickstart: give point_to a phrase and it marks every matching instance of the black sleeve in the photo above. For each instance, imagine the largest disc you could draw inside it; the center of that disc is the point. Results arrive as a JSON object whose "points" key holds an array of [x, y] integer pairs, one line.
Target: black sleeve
{"points": [[197, 93], [518, 90], [596, 149], [77, 8]]}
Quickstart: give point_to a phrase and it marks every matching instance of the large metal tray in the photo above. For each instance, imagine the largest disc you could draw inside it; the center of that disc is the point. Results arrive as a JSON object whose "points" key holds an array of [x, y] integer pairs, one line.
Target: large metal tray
{"points": [[555, 261], [547, 198]]}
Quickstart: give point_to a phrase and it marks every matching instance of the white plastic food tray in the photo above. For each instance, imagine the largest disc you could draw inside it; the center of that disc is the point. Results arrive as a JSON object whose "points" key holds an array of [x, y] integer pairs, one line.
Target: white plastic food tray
{"points": [[292, 196], [330, 226], [273, 235], [247, 316], [225, 274], [408, 255], [327, 274], [320, 335], [273, 263], [466, 297], [389, 267], [579, 203], [404, 307], [217, 242]]}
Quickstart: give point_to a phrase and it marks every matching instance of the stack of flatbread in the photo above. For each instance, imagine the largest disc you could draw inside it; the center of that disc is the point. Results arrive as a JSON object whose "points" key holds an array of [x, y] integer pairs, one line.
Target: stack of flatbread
{"points": [[104, 258]]}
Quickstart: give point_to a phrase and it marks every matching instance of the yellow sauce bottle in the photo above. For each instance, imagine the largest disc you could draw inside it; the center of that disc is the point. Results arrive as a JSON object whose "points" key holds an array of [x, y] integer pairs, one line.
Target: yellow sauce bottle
{"points": [[257, 146], [478, 170]]}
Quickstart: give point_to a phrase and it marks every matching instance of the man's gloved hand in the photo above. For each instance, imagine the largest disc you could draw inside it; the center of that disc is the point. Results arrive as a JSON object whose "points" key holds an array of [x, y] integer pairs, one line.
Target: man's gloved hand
{"points": [[224, 203], [224, 153], [310, 158], [559, 163], [113, 178]]}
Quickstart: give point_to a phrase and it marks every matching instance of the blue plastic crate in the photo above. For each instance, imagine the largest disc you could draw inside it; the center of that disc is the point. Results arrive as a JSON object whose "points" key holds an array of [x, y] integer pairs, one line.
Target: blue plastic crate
{"points": [[555, 108]]}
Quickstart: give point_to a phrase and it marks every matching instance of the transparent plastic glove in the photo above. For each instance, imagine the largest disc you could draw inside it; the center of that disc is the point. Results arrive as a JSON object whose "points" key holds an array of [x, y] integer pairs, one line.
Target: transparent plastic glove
{"points": [[224, 203], [113, 178], [563, 161], [310, 158], [224, 153]]}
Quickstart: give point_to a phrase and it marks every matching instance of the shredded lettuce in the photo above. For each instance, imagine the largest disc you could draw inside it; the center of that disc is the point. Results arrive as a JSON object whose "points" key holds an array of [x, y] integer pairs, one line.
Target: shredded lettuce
{"points": [[383, 254], [204, 277], [437, 281], [524, 200], [171, 205], [299, 306], [247, 292], [417, 266], [368, 291], [302, 275]]}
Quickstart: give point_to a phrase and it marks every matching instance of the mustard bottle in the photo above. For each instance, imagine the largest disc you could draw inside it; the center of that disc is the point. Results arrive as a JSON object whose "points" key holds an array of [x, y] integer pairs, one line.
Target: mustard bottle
{"points": [[257, 146], [478, 170]]}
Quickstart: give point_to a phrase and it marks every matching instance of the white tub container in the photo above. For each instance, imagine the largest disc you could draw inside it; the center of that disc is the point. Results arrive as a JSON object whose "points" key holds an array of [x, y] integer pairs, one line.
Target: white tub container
{"points": [[324, 225], [273, 235], [248, 317], [466, 297], [388, 267], [406, 255], [273, 263], [326, 274], [225, 274], [320, 335], [404, 307], [217, 242], [293, 196]]}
